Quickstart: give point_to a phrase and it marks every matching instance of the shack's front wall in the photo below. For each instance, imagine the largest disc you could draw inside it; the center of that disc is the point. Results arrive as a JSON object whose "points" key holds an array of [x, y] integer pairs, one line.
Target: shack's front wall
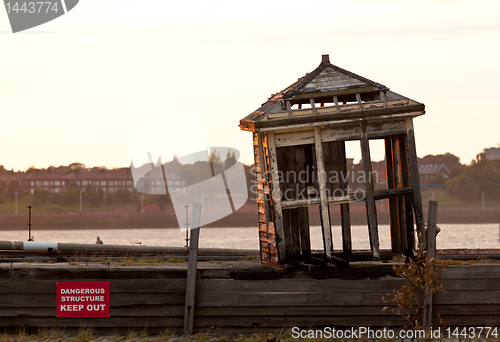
{"points": [[246, 297]]}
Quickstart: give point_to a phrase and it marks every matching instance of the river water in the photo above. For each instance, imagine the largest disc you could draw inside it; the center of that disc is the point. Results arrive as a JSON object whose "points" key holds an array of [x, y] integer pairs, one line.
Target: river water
{"points": [[451, 236]]}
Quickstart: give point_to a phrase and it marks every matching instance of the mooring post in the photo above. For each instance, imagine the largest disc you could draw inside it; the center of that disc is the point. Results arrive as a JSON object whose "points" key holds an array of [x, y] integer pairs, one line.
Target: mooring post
{"points": [[191, 272], [431, 251], [29, 223]]}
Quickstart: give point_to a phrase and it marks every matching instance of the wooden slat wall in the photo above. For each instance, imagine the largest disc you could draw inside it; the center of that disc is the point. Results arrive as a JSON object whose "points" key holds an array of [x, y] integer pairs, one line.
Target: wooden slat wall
{"points": [[267, 233], [154, 298], [472, 296]]}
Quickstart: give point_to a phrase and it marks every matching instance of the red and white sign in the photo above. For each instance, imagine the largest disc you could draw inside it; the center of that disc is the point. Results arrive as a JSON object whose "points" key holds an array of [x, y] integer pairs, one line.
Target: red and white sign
{"points": [[82, 299]]}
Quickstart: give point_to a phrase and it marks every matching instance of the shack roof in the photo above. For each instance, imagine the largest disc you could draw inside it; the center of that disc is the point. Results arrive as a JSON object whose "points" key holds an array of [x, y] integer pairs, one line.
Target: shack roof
{"points": [[329, 93]]}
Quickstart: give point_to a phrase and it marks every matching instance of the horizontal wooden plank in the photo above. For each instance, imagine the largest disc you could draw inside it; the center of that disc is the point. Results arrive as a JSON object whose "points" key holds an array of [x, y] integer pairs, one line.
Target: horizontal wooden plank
{"points": [[391, 193], [383, 285], [294, 138], [467, 297], [471, 320], [382, 129], [115, 322], [115, 311], [340, 133], [240, 299], [115, 286], [49, 300], [231, 311], [466, 309], [299, 321], [356, 114], [482, 284], [476, 271], [91, 273]]}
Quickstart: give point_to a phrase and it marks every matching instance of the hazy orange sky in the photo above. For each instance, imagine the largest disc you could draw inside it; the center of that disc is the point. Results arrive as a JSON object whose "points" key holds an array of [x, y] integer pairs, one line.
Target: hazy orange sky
{"points": [[78, 88]]}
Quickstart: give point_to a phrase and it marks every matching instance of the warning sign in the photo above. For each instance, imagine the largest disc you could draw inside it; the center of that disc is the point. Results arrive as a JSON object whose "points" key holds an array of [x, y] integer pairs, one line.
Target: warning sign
{"points": [[82, 299]]}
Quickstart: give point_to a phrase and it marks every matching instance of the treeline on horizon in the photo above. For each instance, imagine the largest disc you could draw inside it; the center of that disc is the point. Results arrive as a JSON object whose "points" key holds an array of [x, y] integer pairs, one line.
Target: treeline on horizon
{"points": [[465, 182], [94, 197]]}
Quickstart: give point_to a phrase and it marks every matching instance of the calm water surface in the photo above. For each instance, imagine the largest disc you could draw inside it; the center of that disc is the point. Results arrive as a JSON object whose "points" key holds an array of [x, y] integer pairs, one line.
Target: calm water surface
{"points": [[451, 236]]}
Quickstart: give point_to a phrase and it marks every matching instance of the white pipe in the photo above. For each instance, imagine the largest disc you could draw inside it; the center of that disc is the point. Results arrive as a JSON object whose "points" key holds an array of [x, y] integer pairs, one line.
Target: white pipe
{"points": [[32, 246]]}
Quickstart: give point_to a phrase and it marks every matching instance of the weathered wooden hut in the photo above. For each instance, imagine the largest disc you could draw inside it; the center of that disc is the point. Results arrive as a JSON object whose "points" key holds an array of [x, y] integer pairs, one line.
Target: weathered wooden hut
{"points": [[299, 137]]}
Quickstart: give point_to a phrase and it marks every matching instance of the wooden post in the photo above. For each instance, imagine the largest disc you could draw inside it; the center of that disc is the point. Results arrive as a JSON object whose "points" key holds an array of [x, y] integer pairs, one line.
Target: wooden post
{"points": [[266, 234], [371, 210], [415, 181], [276, 198], [407, 229], [191, 271], [344, 207], [393, 202], [431, 250], [324, 208]]}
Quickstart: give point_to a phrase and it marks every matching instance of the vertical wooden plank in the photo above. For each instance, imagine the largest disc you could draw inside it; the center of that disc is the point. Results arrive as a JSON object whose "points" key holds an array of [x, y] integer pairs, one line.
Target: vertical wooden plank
{"points": [[191, 271], [304, 234], [336, 101], [431, 229], [324, 208], [398, 180], [408, 230], [360, 103], [371, 210], [276, 198], [289, 109], [302, 164], [431, 250], [415, 181], [315, 112], [384, 99], [344, 207], [393, 202], [265, 247]]}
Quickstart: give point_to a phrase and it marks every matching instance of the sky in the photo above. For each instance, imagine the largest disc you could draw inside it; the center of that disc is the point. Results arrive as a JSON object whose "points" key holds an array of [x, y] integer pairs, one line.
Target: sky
{"points": [[79, 88]]}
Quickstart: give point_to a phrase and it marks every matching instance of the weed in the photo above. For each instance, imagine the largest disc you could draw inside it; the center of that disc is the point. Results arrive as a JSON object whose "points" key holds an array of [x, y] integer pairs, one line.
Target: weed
{"points": [[84, 335], [421, 277]]}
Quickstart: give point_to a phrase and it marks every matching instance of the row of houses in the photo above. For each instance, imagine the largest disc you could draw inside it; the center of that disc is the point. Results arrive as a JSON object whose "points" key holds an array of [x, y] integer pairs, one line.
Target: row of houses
{"points": [[108, 181]]}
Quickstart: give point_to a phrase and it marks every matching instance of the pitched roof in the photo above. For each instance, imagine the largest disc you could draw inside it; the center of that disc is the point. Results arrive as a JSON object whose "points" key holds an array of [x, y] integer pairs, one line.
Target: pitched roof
{"points": [[338, 91], [433, 169], [328, 78]]}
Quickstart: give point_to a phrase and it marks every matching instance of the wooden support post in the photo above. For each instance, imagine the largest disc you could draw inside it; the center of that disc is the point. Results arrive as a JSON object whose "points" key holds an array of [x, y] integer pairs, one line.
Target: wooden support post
{"points": [[393, 202], [336, 101], [266, 230], [384, 99], [313, 106], [371, 210], [344, 207], [276, 198], [360, 103], [324, 208], [191, 271], [289, 109], [431, 251], [415, 181], [408, 230]]}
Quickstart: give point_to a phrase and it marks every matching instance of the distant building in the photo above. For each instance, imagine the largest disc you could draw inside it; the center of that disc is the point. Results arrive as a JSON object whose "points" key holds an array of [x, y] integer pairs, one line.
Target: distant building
{"points": [[492, 153], [109, 181], [429, 171]]}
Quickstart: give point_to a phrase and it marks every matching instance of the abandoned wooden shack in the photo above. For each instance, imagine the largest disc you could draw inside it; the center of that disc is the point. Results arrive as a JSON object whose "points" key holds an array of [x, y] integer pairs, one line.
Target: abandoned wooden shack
{"points": [[299, 137]]}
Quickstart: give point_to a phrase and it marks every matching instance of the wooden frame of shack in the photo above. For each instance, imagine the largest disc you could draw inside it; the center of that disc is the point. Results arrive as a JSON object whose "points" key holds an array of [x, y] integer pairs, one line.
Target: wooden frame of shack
{"points": [[302, 130]]}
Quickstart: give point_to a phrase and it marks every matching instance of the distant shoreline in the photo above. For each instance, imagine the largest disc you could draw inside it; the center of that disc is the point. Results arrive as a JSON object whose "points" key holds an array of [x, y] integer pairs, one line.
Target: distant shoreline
{"points": [[243, 219]]}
